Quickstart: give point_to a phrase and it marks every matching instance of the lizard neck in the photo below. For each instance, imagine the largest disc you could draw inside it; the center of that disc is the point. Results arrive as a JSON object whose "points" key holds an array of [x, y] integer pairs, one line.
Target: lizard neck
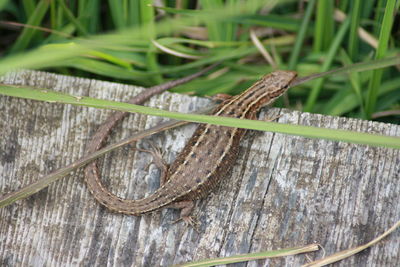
{"points": [[262, 93]]}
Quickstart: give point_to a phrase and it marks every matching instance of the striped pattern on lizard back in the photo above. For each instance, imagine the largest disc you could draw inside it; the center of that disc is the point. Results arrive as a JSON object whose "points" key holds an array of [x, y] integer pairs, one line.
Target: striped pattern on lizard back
{"points": [[209, 154]]}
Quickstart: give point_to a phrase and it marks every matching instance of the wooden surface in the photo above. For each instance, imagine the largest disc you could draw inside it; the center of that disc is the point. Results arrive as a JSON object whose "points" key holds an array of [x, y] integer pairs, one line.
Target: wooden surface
{"points": [[284, 191]]}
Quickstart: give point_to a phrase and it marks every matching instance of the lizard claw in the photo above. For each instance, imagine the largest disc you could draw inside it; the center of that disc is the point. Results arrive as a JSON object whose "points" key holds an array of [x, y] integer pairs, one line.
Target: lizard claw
{"points": [[157, 160], [189, 221], [157, 154]]}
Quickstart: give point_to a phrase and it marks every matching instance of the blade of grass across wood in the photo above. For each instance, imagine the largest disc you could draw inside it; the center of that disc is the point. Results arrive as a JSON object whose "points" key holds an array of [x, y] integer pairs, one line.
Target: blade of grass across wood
{"points": [[300, 130], [46, 180], [251, 256], [350, 252]]}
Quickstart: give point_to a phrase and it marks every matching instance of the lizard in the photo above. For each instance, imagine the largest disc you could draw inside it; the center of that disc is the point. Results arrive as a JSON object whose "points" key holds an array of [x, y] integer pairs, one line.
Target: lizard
{"points": [[206, 158]]}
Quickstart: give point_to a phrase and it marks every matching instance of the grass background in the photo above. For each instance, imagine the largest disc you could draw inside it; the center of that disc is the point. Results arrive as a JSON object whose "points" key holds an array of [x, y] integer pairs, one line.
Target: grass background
{"points": [[134, 42]]}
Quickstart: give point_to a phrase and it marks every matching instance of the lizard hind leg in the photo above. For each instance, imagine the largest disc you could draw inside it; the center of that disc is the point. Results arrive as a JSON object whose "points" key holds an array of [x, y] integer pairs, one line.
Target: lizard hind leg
{"points": [[158, 161], [186, 207]]}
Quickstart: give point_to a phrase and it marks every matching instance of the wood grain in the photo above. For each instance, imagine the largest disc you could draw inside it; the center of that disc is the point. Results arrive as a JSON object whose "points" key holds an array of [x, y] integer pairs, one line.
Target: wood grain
{"points": [[284, 191]]}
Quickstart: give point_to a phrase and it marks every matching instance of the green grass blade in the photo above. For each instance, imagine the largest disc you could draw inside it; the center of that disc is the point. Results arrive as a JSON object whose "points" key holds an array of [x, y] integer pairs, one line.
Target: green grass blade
{"points": [[3, 3], [341, 104], [300, 130], [353, 46], [147, 18], [105, 69], [324, 26], [29, 7], [118, 14], [312, 97], [134, 12], [379, 13], [274, 21], [72, 18], [383, 43], [301, 34], [46, 180], [41, 58], [354, 79], [26, 36]]}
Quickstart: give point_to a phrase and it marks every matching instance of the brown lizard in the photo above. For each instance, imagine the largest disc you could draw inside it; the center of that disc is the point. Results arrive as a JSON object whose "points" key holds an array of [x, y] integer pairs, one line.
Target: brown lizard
{"points": [[207, 157]]}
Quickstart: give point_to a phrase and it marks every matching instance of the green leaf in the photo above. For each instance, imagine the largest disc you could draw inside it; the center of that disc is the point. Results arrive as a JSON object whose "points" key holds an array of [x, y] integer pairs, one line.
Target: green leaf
{"points": [[300, 130]]}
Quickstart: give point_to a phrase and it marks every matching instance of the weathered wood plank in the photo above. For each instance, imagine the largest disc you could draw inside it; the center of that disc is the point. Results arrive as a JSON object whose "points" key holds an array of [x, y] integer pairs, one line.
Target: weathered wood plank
{"points": [[284, 191]]}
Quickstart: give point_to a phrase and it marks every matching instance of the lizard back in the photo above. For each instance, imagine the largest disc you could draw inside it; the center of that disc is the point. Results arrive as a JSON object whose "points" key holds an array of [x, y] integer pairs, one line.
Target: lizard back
{"points": [[208, 155]]}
